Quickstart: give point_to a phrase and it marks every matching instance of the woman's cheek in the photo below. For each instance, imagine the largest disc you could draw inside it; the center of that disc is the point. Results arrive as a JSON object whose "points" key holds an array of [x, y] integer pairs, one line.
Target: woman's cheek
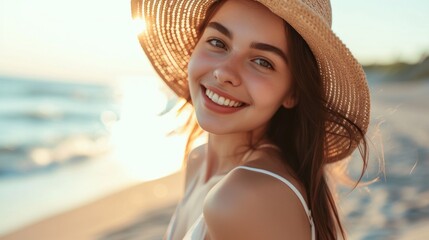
{"points": [[200, 63]]}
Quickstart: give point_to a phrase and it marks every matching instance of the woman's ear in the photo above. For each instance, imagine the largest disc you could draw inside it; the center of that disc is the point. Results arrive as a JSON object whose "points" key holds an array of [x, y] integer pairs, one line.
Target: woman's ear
{"points": [[290, 101]]}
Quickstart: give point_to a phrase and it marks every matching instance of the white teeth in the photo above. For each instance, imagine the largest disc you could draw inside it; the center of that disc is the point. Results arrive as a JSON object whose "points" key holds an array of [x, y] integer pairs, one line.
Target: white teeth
{"points": [[215, 98], [222, 100]]}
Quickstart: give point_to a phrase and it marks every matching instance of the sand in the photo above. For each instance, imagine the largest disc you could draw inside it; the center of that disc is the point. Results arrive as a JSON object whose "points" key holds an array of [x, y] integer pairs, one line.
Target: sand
{"points": [[138, 212]]}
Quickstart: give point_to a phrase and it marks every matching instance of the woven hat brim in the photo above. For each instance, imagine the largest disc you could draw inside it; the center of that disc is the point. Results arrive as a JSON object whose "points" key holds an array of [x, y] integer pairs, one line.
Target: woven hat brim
{"points": [[171, 35]]}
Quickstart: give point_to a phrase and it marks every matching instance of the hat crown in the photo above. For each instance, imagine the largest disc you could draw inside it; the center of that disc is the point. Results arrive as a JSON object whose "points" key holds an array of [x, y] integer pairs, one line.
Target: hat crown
{"points": [[322, 8]]}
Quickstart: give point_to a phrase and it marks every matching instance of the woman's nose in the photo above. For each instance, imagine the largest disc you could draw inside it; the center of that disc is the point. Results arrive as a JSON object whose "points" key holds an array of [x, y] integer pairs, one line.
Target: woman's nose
{"points": [[228, 73]]}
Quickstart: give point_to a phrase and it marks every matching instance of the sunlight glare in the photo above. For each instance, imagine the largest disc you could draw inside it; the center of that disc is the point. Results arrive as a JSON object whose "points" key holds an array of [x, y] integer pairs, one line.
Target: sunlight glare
{"points": [[139, 138], [139, 25], [41, 156]]}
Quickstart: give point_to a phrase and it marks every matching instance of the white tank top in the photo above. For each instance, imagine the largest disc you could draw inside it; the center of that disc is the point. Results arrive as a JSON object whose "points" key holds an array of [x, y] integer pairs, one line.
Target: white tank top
{"points": [[198, 230]]}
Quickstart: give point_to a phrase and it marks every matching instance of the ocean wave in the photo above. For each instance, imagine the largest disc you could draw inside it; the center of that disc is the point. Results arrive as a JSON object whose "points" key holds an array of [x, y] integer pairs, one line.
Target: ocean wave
{"points": [[46, 124], [18, 88], [46, 115], [24, 159]]}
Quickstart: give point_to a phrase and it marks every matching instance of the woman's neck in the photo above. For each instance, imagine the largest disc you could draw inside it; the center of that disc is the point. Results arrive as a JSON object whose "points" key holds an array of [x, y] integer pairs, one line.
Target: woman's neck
{"points": [[225, 152]]}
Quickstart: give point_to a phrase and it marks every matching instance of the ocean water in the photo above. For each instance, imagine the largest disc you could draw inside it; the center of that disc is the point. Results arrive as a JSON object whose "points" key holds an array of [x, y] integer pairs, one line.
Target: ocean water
{"points": [[64, 144], [45, 125], [51, 135]]}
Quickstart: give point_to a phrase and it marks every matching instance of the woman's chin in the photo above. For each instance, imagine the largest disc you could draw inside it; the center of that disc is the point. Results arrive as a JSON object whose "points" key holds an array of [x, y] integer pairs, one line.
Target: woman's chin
{"points": [[212, 127]]}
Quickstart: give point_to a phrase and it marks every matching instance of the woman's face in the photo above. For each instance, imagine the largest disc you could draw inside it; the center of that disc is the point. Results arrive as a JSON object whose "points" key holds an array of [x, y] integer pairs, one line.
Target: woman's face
{"points": [[238, 73]]}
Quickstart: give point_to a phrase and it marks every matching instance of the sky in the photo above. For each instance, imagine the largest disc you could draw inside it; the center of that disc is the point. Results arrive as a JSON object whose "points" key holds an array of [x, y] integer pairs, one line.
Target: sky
{"points": [[96, 40]]}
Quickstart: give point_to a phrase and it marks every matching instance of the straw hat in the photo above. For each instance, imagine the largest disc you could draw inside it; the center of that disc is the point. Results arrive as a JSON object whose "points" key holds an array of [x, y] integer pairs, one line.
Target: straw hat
{"points": [[171, 34]]}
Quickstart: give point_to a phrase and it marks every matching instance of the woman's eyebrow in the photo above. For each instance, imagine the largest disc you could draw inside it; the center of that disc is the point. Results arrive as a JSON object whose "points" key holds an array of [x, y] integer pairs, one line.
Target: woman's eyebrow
{"points": [[221, 28], [260, 46], [270, 48]]}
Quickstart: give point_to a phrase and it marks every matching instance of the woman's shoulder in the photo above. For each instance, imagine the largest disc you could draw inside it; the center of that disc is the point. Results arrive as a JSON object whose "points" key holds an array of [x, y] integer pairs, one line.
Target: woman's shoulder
{"points": [[249, 203]]}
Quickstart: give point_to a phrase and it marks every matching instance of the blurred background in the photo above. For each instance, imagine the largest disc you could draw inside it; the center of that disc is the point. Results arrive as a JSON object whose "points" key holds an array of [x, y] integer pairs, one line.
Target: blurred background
{"points": [[83, 114]]}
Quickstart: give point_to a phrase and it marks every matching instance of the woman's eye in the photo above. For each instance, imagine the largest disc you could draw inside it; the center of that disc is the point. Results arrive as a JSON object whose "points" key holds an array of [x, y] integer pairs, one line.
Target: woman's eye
{"points": [[217, 43], [264, 63]]}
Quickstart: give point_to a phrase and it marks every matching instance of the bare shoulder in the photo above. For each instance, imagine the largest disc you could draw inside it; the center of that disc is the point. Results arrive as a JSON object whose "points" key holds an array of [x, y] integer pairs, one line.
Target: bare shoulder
{"points": [[253, 205]]}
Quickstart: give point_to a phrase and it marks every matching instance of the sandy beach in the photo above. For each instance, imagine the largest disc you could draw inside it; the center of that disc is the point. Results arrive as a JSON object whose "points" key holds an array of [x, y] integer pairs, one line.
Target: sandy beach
{"points": [[139, 212]]}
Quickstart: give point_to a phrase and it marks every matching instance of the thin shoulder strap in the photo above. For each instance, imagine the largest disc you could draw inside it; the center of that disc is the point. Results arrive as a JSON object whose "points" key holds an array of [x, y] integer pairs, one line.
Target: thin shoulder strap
{"points": [[292, 187]]}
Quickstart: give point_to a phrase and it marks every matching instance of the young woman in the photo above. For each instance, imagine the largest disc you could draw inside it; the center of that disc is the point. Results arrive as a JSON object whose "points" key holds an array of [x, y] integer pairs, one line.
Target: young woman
{"points": [[280, 98]]}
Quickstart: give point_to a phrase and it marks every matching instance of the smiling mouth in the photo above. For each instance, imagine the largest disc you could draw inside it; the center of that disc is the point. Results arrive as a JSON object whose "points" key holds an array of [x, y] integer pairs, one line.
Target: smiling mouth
{"points": [[221, 100]]}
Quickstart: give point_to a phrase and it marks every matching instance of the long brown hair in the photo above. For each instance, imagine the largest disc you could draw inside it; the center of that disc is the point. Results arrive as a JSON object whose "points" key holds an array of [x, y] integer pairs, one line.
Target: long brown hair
{"points": [[300, 132]]}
